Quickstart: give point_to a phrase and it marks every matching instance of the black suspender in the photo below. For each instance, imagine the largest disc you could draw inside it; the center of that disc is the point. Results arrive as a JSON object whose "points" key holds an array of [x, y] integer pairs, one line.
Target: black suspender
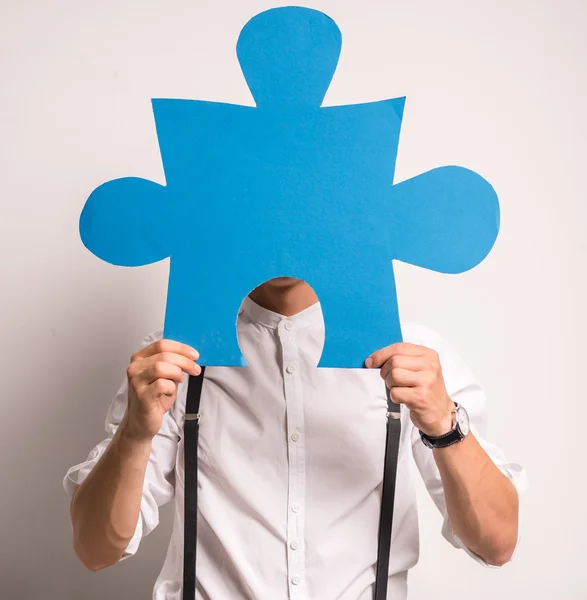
{"points": [[190, 484], [191, 430], [387, 497]]}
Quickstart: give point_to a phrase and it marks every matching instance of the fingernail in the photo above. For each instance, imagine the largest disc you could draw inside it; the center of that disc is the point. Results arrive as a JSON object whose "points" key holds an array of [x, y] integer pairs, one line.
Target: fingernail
{"points": [[194, 354], [369, 363]]}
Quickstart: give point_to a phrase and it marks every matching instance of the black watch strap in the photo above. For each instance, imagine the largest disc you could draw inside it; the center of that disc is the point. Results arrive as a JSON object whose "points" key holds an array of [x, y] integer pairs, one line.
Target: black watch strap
{"points": [[452, 437]]}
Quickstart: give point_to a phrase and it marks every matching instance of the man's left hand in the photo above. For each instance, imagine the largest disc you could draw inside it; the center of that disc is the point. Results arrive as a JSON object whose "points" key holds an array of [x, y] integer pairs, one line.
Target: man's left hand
{"points": [[413, 375]]}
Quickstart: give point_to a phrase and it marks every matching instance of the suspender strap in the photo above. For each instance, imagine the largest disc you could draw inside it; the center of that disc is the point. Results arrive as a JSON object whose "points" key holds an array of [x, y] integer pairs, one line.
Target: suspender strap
{"points": [[387, 497], [191, 434]]}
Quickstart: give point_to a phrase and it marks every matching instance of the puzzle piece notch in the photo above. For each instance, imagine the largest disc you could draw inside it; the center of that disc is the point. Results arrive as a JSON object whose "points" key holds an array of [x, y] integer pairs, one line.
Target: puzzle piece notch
{"points": [[288, 56]]}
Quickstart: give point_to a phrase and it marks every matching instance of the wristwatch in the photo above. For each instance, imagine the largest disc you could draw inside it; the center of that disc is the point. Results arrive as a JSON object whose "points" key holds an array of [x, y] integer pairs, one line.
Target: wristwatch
{"points": [[458, 433]]}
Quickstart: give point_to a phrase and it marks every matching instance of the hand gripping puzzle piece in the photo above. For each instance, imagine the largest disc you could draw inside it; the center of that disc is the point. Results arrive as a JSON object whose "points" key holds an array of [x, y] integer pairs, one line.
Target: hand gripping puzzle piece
{"points": [[288, 188]]}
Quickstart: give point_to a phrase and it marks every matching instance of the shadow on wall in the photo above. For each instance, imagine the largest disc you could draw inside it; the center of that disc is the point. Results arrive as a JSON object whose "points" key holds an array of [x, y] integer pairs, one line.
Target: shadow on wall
{"points": [[64, 391]]}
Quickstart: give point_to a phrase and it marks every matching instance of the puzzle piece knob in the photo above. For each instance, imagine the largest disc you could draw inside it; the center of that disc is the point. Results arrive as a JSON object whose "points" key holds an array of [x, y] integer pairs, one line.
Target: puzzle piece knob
{"points": [[289, 55]]}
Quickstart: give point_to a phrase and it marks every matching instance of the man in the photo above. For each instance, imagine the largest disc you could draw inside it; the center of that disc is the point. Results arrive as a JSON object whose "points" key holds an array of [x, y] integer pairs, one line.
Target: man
{"points": [[291, 461]]}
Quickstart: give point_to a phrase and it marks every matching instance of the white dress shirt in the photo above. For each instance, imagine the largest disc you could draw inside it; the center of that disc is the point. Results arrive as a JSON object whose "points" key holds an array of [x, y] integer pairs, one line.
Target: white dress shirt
{"points": [[290, 469]]}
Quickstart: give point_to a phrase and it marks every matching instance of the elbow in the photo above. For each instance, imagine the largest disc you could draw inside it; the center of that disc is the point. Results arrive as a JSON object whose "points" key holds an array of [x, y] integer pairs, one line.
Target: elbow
{"points": [[90, 560], [93, 553], [495, 548], [93, 567], [87, 561], [499, 559], [501, 545], [498, 553]]}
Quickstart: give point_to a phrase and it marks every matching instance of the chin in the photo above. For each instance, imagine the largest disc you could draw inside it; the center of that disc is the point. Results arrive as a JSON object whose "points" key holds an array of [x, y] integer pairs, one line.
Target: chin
{"points": [[283, 281]]}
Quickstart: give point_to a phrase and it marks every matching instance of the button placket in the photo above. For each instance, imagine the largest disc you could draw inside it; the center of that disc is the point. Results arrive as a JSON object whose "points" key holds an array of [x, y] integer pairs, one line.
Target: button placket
{"points": [[296, 459]]}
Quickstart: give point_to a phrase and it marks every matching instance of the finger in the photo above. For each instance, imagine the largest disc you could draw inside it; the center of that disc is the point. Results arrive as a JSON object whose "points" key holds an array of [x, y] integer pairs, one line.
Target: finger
{"points": [[381, 356], [166, 346], [402, 378], [164, 392], [400, 361], [185, 364], [163, 387], [401, 395], [158, 392], [161, 370]]}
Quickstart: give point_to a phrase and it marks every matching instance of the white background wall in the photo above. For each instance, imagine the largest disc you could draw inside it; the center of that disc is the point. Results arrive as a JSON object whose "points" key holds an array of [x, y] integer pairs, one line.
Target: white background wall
{"points": [[499, 87]]}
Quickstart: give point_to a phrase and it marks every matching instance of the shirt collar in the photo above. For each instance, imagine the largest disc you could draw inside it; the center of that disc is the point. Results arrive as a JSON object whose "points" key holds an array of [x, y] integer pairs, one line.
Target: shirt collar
{"points": [[268, 318]]}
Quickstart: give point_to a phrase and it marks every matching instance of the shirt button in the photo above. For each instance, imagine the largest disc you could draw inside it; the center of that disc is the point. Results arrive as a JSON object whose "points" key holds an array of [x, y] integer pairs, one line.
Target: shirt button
{"points": [[291, 369], [295, 508], [295, 437], [294, 545], [288, 325], [295, 580]]}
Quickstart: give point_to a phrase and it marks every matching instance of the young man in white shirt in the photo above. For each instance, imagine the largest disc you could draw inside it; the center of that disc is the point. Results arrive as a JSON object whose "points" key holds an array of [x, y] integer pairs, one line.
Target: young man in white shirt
{"points": [[291, 461]]}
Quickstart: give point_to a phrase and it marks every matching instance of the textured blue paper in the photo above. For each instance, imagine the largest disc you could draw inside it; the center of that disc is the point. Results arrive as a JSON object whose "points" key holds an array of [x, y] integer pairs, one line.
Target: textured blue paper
{"points": [[288, 188]]}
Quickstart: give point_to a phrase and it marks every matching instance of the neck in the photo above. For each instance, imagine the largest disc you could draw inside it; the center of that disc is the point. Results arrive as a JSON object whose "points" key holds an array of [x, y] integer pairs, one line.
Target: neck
{"points": [[284, 296]]}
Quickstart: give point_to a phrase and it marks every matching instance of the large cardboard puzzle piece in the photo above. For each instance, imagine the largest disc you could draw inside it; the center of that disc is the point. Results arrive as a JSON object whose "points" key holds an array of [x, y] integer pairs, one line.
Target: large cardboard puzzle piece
{"points": [[288, 188]]}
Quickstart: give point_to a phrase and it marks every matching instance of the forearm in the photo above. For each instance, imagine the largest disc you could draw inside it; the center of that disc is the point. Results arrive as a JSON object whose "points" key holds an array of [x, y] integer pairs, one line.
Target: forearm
{"points": [[482, 503], [105, 509]]}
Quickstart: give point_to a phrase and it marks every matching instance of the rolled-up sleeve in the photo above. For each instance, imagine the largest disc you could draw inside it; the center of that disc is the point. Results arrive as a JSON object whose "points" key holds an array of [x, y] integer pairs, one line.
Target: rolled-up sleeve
{"points": [[463, 388], [159, 483]]}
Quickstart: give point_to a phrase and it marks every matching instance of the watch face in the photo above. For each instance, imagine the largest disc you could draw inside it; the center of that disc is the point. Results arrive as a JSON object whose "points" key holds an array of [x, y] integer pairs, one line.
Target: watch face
{"points": [[463, 420]]}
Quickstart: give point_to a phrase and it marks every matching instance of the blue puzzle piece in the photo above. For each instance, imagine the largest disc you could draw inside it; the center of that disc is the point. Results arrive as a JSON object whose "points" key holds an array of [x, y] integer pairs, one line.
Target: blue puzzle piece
{"points": [[288, 188]]}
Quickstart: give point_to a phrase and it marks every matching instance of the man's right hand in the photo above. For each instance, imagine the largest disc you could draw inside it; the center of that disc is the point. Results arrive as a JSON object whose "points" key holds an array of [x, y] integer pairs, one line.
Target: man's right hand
{"points": [[153, 376]]}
